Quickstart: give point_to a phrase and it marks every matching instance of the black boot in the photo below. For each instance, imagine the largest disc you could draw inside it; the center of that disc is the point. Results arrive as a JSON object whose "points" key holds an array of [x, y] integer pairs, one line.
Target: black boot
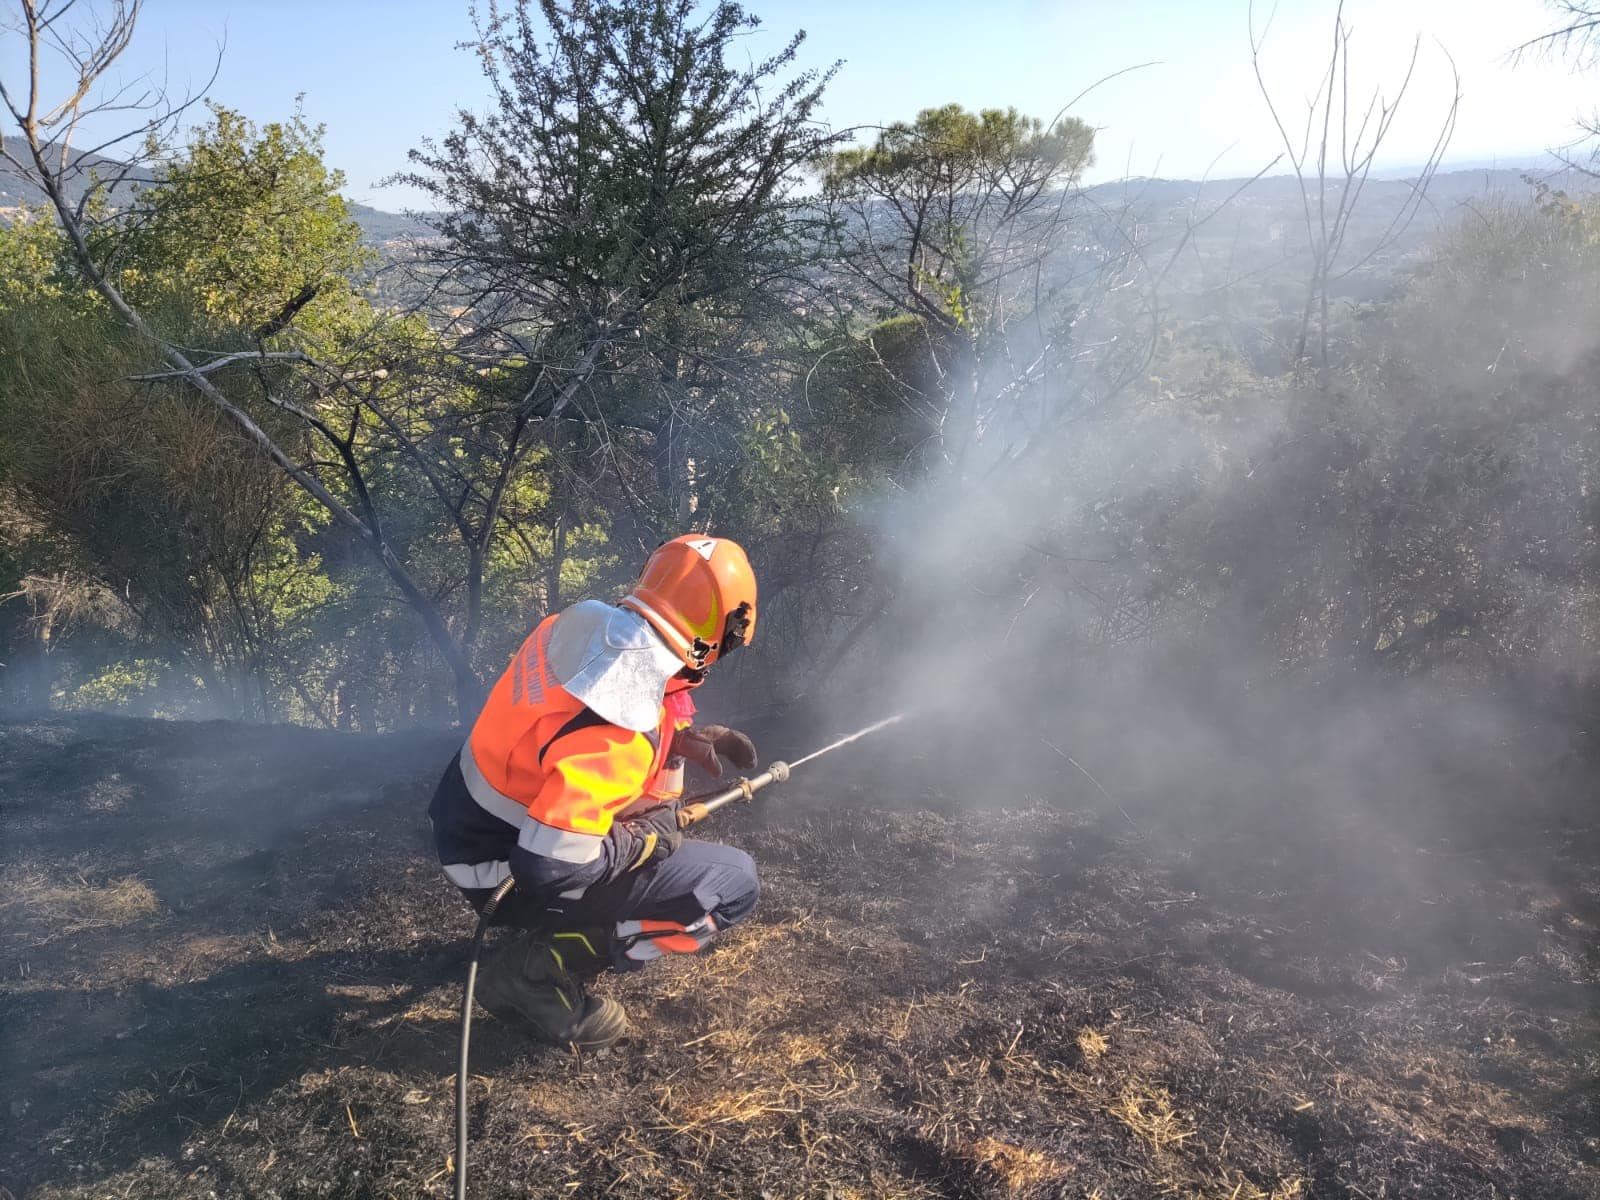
{"points": [[584, 950], [525, 983]]}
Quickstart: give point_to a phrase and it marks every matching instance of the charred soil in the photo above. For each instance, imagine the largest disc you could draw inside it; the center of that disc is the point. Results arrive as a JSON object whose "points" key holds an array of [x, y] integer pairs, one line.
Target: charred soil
{"points": [[228, 967]]}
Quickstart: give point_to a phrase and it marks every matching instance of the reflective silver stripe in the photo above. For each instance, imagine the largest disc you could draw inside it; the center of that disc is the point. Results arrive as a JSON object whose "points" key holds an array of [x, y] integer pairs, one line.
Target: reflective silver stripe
{"points": [[643, 950], [562, 845], [648, 947], [574, 894], [477, 875], [490, 799], [668, 784], [704, 925]]}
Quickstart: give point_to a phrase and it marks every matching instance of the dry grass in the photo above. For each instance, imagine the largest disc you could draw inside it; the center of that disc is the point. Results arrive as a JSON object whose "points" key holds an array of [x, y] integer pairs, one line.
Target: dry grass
{"points": [[1082, 1023], [41, 908], [127, 1103], [1092, 1043], [1149, 1115], [748, 1083], [1286, 1189], [1016, 1167]]}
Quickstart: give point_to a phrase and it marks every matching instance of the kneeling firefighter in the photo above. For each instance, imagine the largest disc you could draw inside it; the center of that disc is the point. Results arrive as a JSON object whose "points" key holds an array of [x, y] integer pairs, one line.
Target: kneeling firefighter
{"points": [[569, 783]]}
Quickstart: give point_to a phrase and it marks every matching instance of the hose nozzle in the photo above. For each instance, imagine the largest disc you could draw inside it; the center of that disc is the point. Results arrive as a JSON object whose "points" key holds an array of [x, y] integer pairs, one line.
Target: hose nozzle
{"points": [[699, 808]]}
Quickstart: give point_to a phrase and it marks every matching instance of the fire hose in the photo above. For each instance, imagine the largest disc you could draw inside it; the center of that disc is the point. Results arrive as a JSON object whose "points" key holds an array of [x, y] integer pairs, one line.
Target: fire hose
{"points": [[690, 812]]}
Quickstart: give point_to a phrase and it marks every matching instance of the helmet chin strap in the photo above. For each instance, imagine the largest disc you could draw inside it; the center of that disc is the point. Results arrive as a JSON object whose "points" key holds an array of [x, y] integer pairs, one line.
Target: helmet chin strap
{"points": [[734, 630]]}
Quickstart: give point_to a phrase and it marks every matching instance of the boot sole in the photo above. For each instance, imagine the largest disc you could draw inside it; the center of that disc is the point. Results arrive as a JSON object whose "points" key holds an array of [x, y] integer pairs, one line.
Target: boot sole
{"points": [[611, 1031]]}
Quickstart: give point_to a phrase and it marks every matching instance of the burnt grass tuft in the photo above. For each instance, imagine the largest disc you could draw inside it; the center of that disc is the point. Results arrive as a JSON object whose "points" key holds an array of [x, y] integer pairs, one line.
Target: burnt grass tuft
{"points": [[229, 968]]}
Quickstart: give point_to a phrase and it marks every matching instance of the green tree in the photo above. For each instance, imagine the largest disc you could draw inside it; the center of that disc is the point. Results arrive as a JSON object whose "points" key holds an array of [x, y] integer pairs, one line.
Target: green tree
{"points": [[620, 256], [627, 221], [954, 219], [985, 303], [162, 501], [246, 229], [45, 160]]}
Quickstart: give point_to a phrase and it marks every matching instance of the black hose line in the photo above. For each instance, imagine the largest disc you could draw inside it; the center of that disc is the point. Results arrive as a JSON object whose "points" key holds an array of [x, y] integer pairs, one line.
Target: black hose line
{"points": [[492, 903]]}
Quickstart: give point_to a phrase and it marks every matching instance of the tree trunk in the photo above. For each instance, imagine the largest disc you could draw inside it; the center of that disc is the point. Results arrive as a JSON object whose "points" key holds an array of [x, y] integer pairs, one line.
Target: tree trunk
{"points": [[30, 673], [468, 688], [558, 557]]}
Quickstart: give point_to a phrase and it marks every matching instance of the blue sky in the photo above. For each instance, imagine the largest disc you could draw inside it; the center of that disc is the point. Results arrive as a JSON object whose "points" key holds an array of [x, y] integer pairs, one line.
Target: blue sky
{"points": [[383, 73]]}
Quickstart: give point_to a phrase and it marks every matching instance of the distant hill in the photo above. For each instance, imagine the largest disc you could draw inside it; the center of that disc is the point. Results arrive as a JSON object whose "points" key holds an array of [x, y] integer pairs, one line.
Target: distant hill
{"points": [[381, 228], [1273, 199], [15, 191], [1236, 229], [1233, 229], [1445, 189]]}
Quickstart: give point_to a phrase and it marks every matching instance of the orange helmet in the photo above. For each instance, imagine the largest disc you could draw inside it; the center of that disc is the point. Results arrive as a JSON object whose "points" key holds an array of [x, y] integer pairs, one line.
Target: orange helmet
{"points": [[700, 595]]}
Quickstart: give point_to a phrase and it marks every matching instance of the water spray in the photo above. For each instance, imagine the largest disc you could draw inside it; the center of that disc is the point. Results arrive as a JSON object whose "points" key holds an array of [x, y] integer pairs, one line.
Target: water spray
{"points": [[690, 812], [698, 808]]}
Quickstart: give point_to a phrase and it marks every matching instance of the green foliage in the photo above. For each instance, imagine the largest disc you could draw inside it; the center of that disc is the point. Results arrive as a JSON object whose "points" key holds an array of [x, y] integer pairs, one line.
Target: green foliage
{"points": [[631, 159], [246, 230], [146, 482], [123, 685], [961, 221], [949, 150], [629, 217], [30, 261], [239, 584], [645, 324], [965, 196]]}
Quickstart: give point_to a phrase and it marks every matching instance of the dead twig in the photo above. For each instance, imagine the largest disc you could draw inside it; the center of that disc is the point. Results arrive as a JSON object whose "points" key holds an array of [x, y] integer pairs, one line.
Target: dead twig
{"points": [[1134, 824]]}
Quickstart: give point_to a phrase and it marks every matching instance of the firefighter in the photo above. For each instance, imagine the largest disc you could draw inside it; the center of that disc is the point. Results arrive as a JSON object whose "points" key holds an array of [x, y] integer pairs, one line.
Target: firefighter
{"points": [[569, 783]]}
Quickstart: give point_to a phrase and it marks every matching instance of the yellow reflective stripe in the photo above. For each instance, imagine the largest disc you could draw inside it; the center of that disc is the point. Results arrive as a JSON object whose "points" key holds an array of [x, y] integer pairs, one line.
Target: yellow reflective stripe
{"points": [[644, 855], [587, 944]]}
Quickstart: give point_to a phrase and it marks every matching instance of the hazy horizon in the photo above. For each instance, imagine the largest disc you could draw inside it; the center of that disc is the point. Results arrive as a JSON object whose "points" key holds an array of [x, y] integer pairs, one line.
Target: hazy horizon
{"points": [[1176, 99]]}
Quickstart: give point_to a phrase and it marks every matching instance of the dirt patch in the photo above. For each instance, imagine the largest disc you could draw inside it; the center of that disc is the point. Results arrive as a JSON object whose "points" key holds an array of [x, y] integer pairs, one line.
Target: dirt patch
{"points": [[1029, 1001]]}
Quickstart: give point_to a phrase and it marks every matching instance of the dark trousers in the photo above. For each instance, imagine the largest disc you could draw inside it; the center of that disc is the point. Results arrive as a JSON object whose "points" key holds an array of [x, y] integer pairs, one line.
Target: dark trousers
{"points": [[675, 905]]}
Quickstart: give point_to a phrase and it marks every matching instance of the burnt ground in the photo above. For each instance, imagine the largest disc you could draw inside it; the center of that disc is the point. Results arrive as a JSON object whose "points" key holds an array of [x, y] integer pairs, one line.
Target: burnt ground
{"points": [[228, 968]]}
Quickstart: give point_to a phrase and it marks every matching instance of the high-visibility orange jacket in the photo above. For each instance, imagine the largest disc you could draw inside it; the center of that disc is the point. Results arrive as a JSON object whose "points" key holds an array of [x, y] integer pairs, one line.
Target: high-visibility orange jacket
{"points": [[548, 778]]}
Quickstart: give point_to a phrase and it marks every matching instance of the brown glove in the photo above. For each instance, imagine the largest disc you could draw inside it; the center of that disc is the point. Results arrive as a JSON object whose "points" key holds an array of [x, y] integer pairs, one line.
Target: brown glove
{"points": [[702, 744]]}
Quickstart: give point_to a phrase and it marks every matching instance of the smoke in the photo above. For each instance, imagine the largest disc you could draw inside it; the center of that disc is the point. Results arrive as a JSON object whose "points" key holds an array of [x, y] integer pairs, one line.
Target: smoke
{"points": [[1228, 596]]}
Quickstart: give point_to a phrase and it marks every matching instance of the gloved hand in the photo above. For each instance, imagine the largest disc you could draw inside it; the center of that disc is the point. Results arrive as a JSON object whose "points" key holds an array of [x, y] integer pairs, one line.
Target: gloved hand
{"points": [[655, 831], [702, 744]]}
